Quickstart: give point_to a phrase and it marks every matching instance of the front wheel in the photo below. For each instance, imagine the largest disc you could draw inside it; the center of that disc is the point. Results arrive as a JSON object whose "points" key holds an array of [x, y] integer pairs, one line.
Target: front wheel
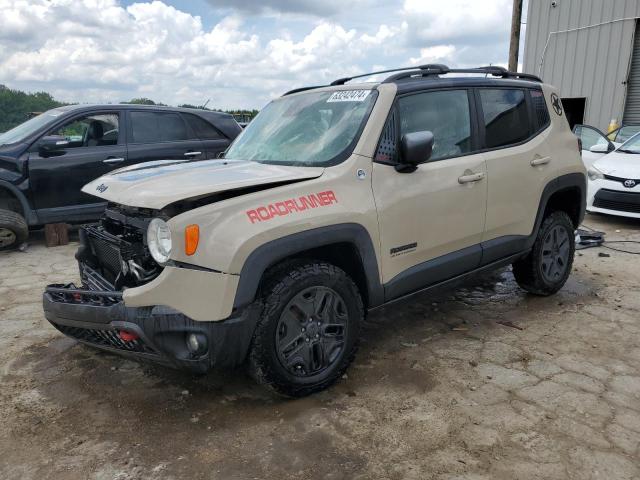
{"points": [[308, 331], [13, 229], [546, 268]]}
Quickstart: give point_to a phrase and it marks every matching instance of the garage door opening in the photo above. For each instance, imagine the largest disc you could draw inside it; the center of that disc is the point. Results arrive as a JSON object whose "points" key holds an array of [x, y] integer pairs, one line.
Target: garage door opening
{"points": [[574, 110]]}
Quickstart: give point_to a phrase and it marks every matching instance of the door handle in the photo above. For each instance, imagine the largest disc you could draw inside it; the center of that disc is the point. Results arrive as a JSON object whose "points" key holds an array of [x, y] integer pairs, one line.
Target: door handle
{"points": [[192, 154], [470, 178], [113, 160], [536, 162]]}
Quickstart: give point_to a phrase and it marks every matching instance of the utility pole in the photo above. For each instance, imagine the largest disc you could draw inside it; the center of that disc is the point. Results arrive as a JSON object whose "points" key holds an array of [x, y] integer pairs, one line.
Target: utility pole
{"points": [[514, 47]]}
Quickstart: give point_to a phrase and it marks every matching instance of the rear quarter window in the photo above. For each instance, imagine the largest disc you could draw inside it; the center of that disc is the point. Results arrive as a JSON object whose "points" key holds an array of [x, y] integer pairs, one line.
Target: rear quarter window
{"points": [[540, 109], [505, 115], [202, 128]]}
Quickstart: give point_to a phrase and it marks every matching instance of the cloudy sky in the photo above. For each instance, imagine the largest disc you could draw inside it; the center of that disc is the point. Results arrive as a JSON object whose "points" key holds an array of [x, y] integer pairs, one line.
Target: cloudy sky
{"points": [[238, 53]]}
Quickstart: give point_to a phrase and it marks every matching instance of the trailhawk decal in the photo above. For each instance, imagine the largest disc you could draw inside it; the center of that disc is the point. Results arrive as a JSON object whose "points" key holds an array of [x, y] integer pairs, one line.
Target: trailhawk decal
{"points": [[286, 207]]}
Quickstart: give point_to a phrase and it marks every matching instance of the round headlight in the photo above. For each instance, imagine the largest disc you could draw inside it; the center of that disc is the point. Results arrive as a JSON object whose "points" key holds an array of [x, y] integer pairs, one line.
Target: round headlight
{"points": [[159, 240]]}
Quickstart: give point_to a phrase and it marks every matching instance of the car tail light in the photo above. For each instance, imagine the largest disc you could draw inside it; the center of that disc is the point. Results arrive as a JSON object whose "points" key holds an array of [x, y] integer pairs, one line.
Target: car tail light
{"points": [[191, 238], [127, 336]]}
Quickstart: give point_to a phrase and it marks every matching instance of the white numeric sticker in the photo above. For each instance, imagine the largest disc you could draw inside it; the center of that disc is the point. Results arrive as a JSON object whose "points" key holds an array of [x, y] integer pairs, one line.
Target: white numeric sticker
{"points": [[349, 96]]}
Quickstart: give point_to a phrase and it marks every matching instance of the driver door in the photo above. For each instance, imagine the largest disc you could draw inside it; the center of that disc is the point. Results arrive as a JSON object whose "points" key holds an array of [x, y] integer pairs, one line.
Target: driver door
{"points": [[95, 147], [431, 220]]}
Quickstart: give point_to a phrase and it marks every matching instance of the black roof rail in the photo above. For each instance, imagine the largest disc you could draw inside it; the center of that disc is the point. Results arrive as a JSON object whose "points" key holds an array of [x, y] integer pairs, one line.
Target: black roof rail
{"points": [[432, 69], [342, 81]]}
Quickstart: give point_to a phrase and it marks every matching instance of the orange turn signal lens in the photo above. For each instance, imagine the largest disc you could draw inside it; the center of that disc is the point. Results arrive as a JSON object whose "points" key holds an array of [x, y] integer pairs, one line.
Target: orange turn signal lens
{"points": [[191, 238]]}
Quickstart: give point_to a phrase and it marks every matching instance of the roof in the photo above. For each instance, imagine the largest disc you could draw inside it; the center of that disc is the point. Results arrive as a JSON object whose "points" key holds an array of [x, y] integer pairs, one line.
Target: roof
{"points": [[135, 106]]}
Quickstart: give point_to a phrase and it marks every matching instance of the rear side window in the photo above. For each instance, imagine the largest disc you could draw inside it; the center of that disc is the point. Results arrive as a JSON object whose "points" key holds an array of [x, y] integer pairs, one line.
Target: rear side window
{"points": [[203, 129], [540, 109], [506, 117], [153, 127], [444, 113]]}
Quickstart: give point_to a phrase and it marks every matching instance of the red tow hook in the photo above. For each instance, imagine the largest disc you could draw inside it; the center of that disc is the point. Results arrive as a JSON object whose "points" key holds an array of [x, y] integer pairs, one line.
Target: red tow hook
{"points": [[127, 336]]}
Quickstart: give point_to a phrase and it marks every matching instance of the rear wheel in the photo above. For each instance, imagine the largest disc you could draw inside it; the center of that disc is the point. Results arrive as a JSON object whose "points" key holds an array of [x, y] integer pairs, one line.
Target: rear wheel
{"points": [[546, 268], [13, 229], [308, 331]]}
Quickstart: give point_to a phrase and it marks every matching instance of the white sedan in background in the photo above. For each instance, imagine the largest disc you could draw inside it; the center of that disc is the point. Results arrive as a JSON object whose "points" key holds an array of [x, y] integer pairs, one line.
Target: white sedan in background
{"points": [[614, 180], [595, 144]]}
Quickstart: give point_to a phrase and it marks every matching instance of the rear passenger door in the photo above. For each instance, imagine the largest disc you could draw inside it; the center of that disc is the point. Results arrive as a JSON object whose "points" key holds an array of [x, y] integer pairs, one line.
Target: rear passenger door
{"points": [[213, 141], [514, 130], [156, 135], [432, 219]]}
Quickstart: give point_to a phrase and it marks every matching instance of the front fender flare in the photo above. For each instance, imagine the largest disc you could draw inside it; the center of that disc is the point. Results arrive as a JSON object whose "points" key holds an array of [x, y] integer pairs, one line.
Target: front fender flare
{"points": [[280, 249], [29, 214]]}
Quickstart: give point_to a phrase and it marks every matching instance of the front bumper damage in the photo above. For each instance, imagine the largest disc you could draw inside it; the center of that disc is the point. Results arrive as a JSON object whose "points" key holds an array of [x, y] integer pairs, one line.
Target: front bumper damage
{"points": [[152, 317], [157, 333]]}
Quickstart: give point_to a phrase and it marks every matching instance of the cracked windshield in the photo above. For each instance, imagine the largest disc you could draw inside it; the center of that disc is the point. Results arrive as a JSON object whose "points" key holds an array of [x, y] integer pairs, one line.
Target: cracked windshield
{"points": [[313, 129]]}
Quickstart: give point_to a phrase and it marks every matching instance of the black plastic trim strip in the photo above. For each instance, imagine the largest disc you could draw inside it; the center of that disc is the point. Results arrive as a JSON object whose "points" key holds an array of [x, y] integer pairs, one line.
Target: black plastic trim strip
{"points": [[433, 271]]}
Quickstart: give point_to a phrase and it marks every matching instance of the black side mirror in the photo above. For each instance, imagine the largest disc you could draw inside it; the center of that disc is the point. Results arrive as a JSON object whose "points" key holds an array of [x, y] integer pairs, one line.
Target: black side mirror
{"points": [[611, 147], [415, 148], [52, 145]]}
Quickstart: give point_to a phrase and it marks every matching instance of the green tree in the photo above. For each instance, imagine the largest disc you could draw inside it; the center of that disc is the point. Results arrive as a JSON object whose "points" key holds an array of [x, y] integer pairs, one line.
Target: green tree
{"points": [[142, 101], [17, 106]]}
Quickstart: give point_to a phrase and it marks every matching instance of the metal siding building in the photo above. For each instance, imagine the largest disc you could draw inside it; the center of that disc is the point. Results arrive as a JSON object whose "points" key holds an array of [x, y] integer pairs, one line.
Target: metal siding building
{"points": [[590, 66]]}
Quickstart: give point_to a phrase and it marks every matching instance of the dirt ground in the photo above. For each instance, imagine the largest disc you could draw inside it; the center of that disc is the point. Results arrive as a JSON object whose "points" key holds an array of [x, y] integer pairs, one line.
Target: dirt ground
{"points": [[481, 382]]}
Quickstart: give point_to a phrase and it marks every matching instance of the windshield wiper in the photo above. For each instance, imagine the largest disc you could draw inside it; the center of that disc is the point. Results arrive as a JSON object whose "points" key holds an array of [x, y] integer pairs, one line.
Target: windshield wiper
{"points": [[633, 152]]}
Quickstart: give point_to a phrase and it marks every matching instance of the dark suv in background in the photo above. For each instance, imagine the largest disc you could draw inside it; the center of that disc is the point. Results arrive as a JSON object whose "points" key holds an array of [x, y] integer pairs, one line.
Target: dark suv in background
{"points": [[45, 161]]}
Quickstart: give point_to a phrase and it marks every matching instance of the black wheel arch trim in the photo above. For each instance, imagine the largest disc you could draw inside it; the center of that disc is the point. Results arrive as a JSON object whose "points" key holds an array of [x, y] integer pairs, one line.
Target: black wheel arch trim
{"points": [[29, 214], [557, 185], [280, 249]]}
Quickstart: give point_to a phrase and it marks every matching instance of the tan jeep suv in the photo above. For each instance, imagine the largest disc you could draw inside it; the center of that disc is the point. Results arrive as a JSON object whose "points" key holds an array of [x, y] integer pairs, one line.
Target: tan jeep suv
{"points": [[334, 201]]}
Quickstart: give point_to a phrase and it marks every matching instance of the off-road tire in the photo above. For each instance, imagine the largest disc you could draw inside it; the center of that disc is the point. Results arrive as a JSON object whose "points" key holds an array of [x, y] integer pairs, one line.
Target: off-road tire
{"points": [[528, 271], [282, 286], [16, 224]]}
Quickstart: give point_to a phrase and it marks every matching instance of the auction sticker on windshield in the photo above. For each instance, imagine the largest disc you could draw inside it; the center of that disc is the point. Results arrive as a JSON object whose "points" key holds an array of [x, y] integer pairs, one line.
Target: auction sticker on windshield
{"points": [[349, 96]]}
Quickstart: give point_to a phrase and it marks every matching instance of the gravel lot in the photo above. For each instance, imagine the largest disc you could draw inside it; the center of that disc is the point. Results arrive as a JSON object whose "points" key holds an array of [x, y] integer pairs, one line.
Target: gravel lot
{"points": [[482, 382]]}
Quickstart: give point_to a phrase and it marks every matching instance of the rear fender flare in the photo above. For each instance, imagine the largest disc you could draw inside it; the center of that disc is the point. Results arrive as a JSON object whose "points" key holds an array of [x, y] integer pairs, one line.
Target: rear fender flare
{"points": [[564, 182]]}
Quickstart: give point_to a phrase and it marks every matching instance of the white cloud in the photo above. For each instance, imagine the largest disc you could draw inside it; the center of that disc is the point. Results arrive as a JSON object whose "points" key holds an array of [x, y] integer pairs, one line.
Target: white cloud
{"points": [[99, 50], [443, 22], [438, 54]]}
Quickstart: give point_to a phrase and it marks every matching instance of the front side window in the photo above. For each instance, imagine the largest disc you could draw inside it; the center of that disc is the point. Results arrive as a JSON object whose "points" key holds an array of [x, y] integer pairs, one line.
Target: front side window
{"points": [[589, 136], [506, 117], [445, 114], [90, 131], [155, 127], [309, 129]]}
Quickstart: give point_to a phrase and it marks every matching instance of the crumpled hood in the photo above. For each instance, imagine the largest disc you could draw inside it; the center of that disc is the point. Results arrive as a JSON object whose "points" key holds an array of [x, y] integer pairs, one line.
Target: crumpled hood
{"points": [[619, 164], [158, 184]]}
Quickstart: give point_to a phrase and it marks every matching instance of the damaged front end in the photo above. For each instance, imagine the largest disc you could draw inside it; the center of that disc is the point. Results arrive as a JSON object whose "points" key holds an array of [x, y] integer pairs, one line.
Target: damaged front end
{"points": [[113, 257], [113, 254]]}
